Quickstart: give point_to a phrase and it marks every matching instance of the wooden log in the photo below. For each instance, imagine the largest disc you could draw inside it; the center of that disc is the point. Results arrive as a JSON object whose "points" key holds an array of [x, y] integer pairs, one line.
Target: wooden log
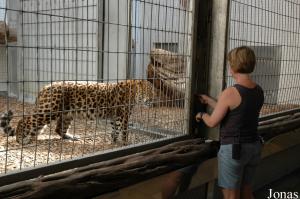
{"points": [[168, 60], [7, 34], [277, 120], [99, 178], [273, 120], [12, 34], [172, 87], [272, 130]]}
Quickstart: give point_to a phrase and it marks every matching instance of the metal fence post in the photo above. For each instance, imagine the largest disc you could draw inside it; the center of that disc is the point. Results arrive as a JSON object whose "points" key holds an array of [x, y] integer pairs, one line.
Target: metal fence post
{"points": [[217, 66]]}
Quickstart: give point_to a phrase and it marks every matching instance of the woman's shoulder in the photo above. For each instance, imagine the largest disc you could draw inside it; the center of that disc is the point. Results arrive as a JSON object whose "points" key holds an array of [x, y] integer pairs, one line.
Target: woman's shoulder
{"points": [[228, 93], [229, 90]]}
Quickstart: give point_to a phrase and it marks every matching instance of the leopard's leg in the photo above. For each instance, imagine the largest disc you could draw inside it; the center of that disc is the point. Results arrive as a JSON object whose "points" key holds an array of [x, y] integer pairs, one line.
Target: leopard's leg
{"points": [[120, 125], [124, 128], [62, 125], [23, 135], [28, 127], [116, 128], [115, 132]]}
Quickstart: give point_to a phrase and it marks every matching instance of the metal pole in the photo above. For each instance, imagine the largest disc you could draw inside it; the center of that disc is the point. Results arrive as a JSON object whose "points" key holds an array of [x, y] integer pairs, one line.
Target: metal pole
{"points": [[220, 17]]}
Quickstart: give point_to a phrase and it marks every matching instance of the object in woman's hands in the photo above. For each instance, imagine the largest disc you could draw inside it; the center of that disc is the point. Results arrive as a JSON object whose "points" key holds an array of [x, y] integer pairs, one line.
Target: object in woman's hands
{"points": [[200, 105], [199, 116], [236, 151], [203, 99], [198, 108]]}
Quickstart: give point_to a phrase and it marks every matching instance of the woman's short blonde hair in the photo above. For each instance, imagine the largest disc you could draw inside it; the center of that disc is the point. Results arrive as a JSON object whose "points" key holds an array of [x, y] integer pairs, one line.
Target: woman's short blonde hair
{"points": [[242, 59]]}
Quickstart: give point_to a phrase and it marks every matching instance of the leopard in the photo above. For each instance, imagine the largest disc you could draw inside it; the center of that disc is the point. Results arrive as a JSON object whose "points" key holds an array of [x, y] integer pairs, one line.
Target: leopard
{"points": [[64, 100]]}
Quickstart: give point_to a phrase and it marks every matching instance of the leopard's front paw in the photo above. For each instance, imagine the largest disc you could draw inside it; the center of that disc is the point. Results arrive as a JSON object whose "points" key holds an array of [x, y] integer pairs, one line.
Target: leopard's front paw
{"points": [[70, 137]]}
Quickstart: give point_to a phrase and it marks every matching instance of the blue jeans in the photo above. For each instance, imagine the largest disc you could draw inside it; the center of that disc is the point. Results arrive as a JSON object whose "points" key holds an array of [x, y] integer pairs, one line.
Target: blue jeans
{"points": [[234, 173]]}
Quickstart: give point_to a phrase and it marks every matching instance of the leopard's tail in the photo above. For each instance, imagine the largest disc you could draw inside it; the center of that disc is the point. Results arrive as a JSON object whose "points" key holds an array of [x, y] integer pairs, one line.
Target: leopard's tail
{"points": [[5, 119]]}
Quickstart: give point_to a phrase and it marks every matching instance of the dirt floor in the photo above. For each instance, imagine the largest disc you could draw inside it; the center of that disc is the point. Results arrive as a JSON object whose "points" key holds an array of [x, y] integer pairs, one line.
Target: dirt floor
{"points": [[146, 124]]}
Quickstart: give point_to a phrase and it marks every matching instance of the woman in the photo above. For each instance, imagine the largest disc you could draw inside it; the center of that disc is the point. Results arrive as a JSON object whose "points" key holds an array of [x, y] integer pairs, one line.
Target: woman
{"points": [[237, 110]]}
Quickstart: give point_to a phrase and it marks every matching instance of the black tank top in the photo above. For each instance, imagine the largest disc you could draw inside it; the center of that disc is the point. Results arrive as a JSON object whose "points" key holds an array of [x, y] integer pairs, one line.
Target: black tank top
{"points": [[240, 124]]}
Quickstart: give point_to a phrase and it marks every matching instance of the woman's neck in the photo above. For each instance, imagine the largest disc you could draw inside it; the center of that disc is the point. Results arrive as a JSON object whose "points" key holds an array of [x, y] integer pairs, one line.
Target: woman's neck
{"points": [[243, 79]]}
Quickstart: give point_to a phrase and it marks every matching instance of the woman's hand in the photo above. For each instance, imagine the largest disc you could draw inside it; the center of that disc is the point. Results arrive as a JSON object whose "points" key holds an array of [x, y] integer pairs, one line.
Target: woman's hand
{"points": [[204, 98], [198, 117], [207, 100]]}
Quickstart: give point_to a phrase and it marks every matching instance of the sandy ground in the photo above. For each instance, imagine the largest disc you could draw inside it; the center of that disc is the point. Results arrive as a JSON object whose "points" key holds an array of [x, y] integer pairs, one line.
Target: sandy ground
{"points": [[93, 137]]}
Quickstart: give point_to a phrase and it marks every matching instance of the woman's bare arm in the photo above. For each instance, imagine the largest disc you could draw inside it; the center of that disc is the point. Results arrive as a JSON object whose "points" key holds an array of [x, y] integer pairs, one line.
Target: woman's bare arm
{"points": [[220, 109], [208, 100]]}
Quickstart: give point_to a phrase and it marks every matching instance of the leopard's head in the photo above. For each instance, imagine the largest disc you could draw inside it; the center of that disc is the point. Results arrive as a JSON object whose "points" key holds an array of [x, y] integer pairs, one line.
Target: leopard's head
{"points": [[144, 92]]}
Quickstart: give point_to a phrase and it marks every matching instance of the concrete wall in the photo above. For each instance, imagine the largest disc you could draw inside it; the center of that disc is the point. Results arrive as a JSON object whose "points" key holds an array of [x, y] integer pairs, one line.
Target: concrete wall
{"points": [[59, 43], [116, 36], [8, 54], [3, 69]]}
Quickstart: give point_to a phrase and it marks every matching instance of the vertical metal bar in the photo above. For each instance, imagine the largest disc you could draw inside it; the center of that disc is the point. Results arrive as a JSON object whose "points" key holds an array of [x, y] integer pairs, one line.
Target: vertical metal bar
{"points": [[191, 7], [100, 53], [118, 37], [159, 41], [220, 17], [7, 85], [73, 12], [23, 78], [101, 35], [37, 74], [62, 63], [76, 21], [129, 39], [108, 62], [86, 81], [164, 29], [51, 78], [180, 50], [172, 34], [134, 62], [150, 47]]}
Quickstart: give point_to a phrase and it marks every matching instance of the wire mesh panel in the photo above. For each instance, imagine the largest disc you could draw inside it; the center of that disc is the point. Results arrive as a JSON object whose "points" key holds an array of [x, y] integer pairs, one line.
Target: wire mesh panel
{"points": [[84, 76], [271, 29]]}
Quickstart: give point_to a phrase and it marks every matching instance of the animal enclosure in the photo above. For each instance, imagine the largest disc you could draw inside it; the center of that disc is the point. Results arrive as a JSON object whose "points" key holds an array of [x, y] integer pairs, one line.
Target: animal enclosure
{"points": [[75, 81]]}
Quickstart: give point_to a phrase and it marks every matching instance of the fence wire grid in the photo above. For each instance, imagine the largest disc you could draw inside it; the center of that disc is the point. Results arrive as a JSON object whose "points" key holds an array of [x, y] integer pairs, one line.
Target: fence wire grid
{"points": [[271, 29], [64, 50]]}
